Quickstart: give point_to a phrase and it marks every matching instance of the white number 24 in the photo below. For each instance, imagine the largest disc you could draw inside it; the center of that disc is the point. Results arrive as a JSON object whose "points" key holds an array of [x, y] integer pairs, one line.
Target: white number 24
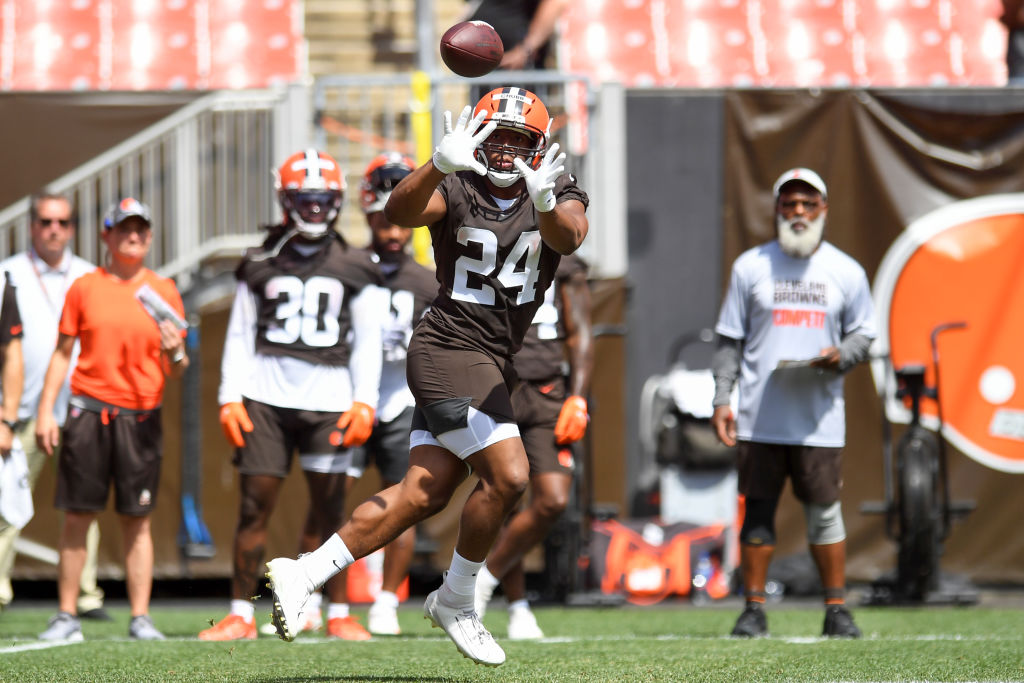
{"points": [[529, 243]]}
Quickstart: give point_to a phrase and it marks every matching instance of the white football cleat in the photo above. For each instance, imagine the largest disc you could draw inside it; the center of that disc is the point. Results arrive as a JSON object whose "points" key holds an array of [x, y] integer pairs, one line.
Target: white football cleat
{"points": [[382, 620], [291, 588], [522, 625], [464, 628]]}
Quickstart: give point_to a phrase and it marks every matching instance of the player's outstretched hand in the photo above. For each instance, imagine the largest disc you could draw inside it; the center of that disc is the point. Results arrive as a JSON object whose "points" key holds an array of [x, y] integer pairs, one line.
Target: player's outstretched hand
{"points": [[572, 420], [355, 425], [457, 151], [234, 419], [540, 183]]}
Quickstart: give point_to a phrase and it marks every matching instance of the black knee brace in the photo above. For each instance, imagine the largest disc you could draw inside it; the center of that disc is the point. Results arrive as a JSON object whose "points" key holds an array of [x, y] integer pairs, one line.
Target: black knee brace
{"points": [[759, 522]]}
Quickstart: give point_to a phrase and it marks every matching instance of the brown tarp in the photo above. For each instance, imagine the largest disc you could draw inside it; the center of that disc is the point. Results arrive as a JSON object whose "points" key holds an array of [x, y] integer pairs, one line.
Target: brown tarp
{"points": [[888, 159]]}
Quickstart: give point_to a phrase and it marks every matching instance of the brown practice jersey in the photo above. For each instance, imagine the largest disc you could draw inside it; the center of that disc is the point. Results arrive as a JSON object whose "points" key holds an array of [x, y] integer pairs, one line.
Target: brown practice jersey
{"points": [[542, 356], [303, 303], [492, 265]]}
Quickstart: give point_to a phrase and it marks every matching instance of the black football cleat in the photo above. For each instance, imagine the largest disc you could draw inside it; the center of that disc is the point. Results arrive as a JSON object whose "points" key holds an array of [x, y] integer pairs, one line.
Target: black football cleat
{"points": [[839, 623], [752, 623]]}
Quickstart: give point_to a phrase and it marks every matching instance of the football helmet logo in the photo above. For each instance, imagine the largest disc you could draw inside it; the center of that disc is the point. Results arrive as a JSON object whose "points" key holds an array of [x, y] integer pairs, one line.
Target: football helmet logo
{"points": [[960, 263], [520, 110], [310, 187], [383, 173]]}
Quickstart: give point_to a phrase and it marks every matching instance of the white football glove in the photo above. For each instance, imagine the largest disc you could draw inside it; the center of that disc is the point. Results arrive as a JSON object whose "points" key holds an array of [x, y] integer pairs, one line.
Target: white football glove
{"points": [[457, 151], [540, 183]]}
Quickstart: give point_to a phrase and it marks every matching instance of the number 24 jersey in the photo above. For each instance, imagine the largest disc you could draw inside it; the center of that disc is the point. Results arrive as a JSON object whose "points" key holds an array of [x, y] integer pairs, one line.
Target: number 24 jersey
{"points": [[492, 265]]}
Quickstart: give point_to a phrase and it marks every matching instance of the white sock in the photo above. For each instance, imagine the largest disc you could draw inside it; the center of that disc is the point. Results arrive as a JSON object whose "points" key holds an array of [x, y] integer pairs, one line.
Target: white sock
{"points": [[314, 602], [386, 599], [460, 581], [485, 576], [326, 561], [337, 610], [523, 604], [244, 609]]}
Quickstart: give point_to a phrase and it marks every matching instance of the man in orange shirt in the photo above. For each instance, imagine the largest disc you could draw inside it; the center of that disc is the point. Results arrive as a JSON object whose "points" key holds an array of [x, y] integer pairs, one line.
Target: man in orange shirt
{"points": [[113, 430]]}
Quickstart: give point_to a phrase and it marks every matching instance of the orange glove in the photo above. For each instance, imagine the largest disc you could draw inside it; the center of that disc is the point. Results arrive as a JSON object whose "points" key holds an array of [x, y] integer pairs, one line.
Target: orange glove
{"points": [[234, 420], [572, 420], [355, 426]]}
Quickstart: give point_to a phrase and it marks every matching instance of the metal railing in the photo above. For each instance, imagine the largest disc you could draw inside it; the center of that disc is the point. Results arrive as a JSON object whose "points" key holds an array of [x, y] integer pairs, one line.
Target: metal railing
{"points": [[204, 171]]}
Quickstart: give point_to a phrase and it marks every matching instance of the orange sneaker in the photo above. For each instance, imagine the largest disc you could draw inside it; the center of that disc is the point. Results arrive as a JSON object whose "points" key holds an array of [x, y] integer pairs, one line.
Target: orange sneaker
{"points": [[231, 627], [346, 628]]}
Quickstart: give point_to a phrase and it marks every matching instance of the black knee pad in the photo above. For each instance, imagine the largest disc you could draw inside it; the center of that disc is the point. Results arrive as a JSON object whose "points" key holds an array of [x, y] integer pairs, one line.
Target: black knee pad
{"points": [[759, 522]]}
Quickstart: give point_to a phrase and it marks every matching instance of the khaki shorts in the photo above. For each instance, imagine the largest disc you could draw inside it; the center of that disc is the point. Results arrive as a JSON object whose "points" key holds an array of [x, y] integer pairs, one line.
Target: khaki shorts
{"points": [[537, 405], [813, 470], [122, 446], [279, 432]]}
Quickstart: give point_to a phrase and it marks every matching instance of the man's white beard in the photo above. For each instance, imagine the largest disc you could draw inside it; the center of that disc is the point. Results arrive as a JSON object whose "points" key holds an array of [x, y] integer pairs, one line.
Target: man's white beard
{"points": [[800, 244]]}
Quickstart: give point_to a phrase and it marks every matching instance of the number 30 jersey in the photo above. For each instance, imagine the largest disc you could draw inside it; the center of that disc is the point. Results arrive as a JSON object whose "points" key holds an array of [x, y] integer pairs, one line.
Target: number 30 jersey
{"points": [[305, 328], [492, 265]]}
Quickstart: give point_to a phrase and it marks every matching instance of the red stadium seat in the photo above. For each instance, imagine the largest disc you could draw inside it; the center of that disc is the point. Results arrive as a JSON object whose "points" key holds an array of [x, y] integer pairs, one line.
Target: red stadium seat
{"points": [[253, 44], [56, 47], [810, 43], [155, 50]]}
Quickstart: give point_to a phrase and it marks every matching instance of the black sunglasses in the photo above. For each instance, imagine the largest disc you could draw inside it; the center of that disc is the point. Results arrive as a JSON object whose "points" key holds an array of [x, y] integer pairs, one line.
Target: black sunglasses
{"points": [[64, 222]]}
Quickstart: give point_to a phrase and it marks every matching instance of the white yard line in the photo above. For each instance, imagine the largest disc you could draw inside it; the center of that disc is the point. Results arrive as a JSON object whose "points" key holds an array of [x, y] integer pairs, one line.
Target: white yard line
{"points": [[34, 645]]}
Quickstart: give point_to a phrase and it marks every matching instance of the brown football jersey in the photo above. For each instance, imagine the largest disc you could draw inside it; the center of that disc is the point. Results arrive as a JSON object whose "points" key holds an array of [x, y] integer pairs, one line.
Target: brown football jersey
{"points": [[543, 353], [303, 303], [492, 265]]}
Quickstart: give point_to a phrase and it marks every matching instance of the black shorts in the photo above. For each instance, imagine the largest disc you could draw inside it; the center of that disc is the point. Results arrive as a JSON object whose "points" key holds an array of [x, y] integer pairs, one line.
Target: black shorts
{"points": [[813, 470], [537, 405], [279, 432], [125, 447], [387, 447], [439, 371]]}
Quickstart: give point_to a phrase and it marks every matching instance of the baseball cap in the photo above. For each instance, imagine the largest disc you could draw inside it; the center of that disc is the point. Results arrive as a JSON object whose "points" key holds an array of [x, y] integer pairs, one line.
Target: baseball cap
{"points": [[804, 175], [126, 208]]}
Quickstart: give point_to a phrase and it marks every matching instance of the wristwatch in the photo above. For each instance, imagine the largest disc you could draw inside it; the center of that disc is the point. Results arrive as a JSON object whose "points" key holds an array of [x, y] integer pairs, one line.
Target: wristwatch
{"points": [[11, 424]]}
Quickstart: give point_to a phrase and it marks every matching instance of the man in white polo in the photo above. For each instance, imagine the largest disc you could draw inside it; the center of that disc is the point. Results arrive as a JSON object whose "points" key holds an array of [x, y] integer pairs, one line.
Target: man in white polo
{"points": [[42, 276]]}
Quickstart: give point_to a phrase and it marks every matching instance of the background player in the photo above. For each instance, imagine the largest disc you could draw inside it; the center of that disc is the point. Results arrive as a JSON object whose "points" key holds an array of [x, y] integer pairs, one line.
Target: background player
{"points": [[301, 361]]}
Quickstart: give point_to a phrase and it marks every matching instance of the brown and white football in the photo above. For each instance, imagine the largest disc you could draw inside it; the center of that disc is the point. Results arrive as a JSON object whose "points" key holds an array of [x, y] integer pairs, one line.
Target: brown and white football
{"points": [[471, 48]]}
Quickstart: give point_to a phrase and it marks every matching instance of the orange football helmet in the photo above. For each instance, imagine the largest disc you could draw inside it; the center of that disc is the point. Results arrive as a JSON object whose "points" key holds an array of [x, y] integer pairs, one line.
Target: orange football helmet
{"points": [[520, 110], [310, 187], [383, 173]]}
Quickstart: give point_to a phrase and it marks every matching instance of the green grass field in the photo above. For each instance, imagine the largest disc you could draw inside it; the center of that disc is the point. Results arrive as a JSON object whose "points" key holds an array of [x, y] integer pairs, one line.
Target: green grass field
{"points": [[662, 643]]}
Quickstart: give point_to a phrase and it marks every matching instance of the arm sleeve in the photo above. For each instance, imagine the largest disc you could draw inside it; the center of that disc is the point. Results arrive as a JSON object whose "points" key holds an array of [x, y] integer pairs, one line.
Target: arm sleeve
{"points": [[853, 349], [369, 316], [239, 346], [725, 368]]}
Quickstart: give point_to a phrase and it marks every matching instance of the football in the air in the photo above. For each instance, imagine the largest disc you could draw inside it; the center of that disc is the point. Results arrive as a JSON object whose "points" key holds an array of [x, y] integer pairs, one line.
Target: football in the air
{"points": [[471, 48]]}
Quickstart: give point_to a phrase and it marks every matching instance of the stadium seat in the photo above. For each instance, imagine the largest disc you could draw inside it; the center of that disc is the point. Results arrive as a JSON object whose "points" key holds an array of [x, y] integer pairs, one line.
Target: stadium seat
{"points": [[156, 48], [252, 44], [56, 47]]}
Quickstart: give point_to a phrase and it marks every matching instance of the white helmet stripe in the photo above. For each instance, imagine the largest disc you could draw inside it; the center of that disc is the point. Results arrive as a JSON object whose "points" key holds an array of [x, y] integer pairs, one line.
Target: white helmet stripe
{"points": [[312, 163]]}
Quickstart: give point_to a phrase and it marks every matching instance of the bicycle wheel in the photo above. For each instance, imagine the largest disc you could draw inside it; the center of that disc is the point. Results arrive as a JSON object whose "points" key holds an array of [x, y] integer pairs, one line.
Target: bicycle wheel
{"points": [[917, 569]]}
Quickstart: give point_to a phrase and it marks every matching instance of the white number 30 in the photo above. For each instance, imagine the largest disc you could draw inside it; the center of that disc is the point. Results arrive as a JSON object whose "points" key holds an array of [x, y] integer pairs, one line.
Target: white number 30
{"points": [[509, 276]]}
